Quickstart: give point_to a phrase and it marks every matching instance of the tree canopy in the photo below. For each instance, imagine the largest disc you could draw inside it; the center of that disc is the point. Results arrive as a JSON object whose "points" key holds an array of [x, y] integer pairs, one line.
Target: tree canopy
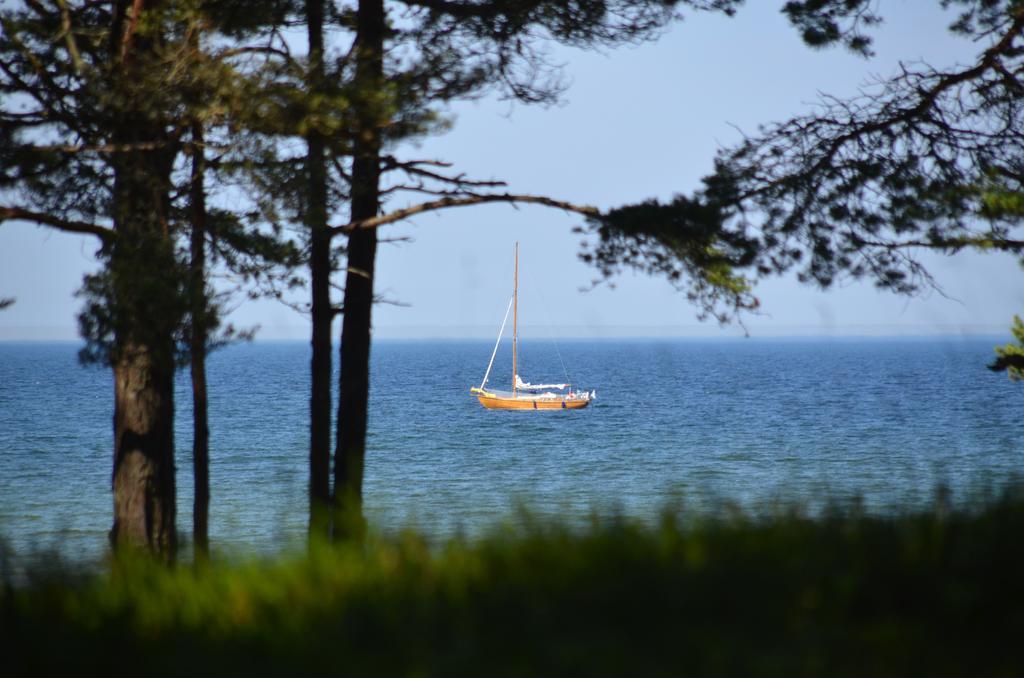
{"points": [[102, 108], [931, 157]]}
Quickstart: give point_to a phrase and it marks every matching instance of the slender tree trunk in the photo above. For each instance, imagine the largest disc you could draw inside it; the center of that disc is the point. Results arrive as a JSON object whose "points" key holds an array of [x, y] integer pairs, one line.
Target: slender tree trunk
{"points": [[145, 306], [197, 349], [362, 251], [320, 273]]}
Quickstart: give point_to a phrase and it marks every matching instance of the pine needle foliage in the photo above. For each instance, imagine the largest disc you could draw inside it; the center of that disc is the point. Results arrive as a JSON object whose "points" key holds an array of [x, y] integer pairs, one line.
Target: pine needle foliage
{"points": [[927, 158], [1010, 356]]}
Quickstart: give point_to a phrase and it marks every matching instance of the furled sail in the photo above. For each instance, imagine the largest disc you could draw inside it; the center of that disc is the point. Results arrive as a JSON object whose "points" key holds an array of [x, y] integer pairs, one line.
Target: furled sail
{"points": [[528, 386]]}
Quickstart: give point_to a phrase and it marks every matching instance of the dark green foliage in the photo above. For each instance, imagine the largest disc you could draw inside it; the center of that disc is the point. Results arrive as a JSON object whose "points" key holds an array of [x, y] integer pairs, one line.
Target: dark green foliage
{"points": [[935, 593], [134, 301], [978, 17], [1010, 357], [76, 121], [504, 43], [240, 19], [823, 23], [51, 108], [682, 241]]}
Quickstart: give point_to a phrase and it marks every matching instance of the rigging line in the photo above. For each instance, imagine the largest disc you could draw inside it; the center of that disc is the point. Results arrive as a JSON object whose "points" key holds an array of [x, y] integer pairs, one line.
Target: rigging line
{"points": [[495, 351], [559, 354], [547, 312]]}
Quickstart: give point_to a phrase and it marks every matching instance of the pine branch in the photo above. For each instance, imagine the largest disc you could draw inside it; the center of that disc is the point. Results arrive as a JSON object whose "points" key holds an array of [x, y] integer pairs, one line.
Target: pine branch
{"points": [[444, 203], [67, 225], [415, 167], [101, 148], [979, 242], [69, 35]]}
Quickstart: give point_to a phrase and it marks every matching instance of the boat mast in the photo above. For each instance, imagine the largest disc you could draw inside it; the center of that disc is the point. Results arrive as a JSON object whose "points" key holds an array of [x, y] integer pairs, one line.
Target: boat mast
{"points": [[515, 318]]}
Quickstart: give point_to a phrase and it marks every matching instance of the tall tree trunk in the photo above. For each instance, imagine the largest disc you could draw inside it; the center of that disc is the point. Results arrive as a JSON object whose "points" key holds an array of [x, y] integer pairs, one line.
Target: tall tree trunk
{"points": [[144, 302], [197, 349], [362, 251], [146, 305], [320, 273], [143, 478]]}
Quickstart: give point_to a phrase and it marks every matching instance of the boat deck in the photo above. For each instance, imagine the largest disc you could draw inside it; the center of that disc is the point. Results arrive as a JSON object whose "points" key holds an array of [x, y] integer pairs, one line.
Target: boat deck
{"points": [[506, 400]]}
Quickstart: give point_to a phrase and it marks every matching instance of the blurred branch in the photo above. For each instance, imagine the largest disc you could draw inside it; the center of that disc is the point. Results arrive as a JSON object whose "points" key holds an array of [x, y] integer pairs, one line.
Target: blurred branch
{"points": [[102, 148], [66, 225], [69, 35]]}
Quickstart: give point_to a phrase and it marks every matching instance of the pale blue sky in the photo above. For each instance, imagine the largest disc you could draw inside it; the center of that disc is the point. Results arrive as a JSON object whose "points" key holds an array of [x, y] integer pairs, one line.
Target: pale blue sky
{"points": [[636, 123]]}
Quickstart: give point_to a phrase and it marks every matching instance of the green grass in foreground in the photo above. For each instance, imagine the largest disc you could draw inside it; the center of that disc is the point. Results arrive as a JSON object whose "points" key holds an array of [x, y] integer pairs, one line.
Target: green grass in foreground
{"points": [[939, 593]]}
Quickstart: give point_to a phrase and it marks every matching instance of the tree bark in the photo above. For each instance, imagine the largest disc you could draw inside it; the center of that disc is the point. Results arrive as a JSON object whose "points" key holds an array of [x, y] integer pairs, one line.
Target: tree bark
{"points": [[350, 452], [320, 273], [143, 478]]}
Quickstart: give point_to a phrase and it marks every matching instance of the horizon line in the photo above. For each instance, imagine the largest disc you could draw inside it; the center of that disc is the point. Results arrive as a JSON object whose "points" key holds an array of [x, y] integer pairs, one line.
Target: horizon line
{"points": [[712, 331]]}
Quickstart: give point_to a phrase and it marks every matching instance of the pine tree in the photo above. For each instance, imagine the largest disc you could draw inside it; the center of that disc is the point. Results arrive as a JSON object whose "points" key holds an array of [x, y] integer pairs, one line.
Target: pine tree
{"points": [[1010, 357], [95, 126]]}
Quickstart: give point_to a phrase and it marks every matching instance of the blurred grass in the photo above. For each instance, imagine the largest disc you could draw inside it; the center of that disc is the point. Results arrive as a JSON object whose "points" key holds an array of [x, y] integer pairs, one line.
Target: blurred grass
{"points": [[929, 594]]}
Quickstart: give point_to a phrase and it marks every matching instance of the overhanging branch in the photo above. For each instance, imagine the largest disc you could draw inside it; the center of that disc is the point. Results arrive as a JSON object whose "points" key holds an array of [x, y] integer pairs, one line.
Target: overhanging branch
{"points": [[66, 225], [100, 148], [445, 203], [980, 242]]}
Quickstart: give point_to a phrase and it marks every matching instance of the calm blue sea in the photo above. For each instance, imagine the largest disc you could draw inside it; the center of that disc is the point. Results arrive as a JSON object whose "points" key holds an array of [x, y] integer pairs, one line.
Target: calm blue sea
{"points": [[753, 423]]}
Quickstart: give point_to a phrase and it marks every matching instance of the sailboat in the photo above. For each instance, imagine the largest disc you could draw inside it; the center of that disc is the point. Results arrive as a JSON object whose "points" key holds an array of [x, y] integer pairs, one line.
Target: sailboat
{"points": [[524, 395]]}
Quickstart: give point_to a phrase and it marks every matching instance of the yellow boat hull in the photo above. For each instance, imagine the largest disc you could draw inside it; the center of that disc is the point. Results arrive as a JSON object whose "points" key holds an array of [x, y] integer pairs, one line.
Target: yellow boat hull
{"points": [[493, 402]]}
